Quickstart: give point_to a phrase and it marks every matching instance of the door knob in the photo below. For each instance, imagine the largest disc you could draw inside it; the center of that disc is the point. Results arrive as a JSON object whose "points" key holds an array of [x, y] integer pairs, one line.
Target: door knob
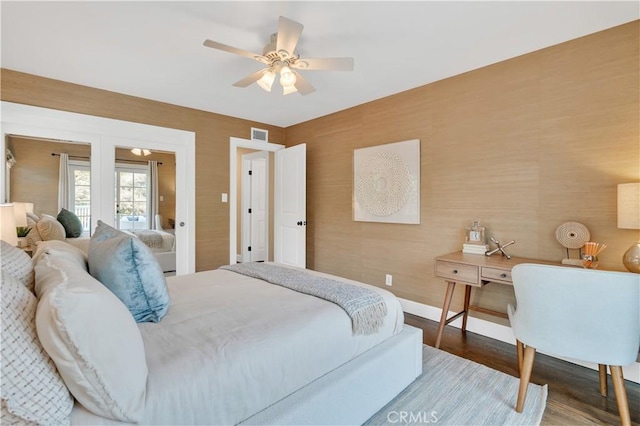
{"points": [[299, 223], [182, 224]]}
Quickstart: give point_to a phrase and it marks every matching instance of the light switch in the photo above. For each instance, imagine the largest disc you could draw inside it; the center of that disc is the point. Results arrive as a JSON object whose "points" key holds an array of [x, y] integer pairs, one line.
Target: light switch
{"points": [[225, 197], [161, 198]]}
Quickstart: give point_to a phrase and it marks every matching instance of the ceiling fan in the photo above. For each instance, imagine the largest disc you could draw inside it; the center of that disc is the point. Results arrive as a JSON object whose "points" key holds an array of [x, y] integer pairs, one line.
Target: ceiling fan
{"points": [[280, 58]]}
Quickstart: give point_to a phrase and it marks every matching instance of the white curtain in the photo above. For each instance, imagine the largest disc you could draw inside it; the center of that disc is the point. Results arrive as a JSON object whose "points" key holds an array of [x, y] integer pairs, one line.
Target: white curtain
{"points": [[153, 194], [63, 182]]}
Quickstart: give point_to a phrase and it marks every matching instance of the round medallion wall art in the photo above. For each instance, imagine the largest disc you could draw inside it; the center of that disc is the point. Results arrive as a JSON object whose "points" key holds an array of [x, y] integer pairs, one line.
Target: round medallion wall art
{"points": [[386, 183], [383, 185]]}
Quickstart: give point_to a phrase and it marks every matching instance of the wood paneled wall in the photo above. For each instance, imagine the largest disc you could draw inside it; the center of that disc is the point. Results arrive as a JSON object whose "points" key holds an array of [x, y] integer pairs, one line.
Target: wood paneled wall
{"points": [[212, 143], [525, 145]]}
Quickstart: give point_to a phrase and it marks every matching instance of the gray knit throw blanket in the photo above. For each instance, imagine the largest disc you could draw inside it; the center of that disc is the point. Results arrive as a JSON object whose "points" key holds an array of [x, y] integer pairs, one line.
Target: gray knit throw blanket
{"points": [[365, 307]]}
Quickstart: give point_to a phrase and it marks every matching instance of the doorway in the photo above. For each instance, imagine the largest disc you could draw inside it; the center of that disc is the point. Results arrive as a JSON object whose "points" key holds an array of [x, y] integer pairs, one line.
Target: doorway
{"points": [[255, 207]]}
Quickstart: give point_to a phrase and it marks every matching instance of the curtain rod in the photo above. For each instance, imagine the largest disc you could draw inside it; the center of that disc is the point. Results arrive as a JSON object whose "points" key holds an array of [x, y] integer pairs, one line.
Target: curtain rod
{"points": [[76, 157]]}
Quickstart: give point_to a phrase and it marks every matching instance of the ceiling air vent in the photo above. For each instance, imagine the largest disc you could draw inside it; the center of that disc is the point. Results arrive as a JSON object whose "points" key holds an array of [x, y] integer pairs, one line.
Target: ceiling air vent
{"points": [[259, 134]]}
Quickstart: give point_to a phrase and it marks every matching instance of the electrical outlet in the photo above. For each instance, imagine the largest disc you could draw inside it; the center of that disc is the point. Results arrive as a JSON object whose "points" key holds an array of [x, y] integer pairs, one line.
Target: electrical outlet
{"points": [[389, 280]]}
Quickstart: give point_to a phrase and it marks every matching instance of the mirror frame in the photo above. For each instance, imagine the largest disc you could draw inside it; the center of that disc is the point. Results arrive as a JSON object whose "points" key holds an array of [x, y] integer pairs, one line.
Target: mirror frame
{"points": [[104, 135]]}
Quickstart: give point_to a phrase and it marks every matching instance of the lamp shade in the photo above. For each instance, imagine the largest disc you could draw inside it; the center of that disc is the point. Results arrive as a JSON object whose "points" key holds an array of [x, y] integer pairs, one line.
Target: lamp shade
{"points": [[20, 211], [266, 81], [8, 224], [629, 206]]}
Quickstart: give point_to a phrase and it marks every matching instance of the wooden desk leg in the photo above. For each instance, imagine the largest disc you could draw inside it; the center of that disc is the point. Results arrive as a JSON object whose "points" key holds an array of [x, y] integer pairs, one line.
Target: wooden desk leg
{"points": [[451, 285], [467, 299]]}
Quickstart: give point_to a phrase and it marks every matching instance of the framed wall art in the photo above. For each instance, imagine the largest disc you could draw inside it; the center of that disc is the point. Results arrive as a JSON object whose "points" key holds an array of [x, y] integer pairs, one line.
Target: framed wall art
{"points": [[386, 183]]}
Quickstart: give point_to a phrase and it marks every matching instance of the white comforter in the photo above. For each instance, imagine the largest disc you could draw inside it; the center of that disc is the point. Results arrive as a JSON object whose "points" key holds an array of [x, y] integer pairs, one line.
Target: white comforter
{"points": [[231, 346]]}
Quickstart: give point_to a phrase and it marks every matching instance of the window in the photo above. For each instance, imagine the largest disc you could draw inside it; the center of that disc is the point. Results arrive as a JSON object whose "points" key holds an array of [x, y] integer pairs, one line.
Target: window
{"points": [[131, 197], [80, 192]]}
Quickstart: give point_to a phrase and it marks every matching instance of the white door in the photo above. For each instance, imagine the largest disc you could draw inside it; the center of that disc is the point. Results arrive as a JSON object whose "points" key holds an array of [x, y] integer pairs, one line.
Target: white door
{"points": [[254, 207], [291, 206]]}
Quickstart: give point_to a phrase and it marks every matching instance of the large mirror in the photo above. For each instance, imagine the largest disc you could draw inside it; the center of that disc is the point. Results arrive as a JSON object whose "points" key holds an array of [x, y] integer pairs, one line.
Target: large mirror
{"points": [[145, 200], [33, 175]]}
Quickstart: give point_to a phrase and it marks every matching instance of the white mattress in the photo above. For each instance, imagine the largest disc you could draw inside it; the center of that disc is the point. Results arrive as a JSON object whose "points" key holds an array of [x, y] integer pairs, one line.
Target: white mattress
{"points": [[231, 346]]}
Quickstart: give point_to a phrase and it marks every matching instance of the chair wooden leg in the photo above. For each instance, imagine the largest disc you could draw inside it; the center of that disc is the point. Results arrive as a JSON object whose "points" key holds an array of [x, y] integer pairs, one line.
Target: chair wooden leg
{"points": [[602, 370], [525, 376], [621, 394], [520, 352]]}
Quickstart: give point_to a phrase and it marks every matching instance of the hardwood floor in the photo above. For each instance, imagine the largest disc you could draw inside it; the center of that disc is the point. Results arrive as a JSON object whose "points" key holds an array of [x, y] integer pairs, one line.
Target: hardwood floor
{"points": [[574, 392]]}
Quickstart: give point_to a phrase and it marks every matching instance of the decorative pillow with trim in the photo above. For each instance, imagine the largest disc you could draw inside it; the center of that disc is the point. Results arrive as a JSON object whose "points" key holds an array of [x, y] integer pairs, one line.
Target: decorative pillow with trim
{"points": [[33, 237], [50, 228], [71, 223], [17, 262], [32, 389], [127, 267], [92, 338]]}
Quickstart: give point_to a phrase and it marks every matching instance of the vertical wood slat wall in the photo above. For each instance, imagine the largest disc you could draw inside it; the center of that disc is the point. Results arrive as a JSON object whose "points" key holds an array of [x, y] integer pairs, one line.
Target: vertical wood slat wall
{"points": [[524, 145]]}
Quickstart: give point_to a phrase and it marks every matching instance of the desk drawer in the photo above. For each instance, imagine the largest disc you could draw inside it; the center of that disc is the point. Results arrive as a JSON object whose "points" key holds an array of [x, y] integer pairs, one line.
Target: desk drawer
{"points": [[496, 274], [457, 272]]}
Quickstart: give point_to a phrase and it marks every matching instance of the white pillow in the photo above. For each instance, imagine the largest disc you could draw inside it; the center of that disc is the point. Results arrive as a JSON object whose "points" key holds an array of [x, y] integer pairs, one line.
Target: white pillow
{"points": [[17, 263], [92, 338], [60, 248], [32, 389], [34, 235], [50, 229]]}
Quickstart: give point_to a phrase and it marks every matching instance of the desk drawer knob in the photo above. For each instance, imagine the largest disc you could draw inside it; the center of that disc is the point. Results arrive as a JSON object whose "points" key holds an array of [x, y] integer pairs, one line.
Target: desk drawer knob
{"points": [[455, 271], [503, 275]]}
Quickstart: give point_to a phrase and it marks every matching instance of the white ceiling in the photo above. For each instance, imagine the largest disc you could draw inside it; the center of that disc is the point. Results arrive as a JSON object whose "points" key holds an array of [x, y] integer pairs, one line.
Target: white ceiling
{"points": [[154, 49]]}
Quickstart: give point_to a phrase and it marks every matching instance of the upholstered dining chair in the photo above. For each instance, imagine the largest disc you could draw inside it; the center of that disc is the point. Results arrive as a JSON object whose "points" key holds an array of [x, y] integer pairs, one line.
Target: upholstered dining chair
{"points": [[584, 314]]}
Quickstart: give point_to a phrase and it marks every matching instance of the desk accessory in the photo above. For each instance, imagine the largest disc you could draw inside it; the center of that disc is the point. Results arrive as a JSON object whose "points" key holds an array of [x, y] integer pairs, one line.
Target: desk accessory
{"points": [[629, 218], [572, 235], [591, 252], [500, 248], [474, 239]]}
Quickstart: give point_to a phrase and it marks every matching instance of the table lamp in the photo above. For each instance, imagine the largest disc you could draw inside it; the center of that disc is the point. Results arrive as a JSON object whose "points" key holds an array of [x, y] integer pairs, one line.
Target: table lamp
{"points": [[8, 224], [629, 218]]}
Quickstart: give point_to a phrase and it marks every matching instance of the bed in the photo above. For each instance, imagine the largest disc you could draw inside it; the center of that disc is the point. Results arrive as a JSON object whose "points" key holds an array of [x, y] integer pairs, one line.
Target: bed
{"points": [[164, 249], [243, 350], [233, 349]]}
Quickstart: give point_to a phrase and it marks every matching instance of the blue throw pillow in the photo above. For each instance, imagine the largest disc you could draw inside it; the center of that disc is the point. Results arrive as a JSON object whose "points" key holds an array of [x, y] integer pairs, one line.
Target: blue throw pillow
{"points": [[127, 267], [71, 223]]}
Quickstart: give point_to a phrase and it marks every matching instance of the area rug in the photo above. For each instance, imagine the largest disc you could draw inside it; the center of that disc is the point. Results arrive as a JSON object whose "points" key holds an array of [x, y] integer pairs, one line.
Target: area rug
{"points": [[456, 391]]}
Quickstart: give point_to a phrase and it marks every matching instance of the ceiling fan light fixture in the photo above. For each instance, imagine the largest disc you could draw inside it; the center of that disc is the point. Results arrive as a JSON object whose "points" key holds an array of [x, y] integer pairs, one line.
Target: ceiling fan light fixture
{"points": [[287, 77], [266, 81], [139, 152], [289, 89]]}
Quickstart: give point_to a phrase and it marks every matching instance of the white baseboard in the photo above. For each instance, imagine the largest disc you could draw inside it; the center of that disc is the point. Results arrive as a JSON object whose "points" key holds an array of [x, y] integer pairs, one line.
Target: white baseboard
{"points": [[498, 332]]}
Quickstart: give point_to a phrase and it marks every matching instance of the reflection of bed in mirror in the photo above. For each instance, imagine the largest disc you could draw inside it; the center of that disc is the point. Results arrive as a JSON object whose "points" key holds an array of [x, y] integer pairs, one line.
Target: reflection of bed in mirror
{"points": [[161, 243]]}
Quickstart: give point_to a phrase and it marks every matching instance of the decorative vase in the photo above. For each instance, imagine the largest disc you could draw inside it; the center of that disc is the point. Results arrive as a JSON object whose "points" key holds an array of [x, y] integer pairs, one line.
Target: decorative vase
{"points": [[631, 258]]}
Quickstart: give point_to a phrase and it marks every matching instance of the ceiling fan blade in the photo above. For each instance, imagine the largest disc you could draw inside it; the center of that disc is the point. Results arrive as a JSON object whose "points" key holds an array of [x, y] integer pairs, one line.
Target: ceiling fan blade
{"points": [[215, 45], [288, 34], [250, 78], [332, 64], [303, 86]]}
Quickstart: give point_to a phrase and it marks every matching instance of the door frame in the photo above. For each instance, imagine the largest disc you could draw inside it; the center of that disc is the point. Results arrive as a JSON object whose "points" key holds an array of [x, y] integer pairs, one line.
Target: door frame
{"points": [[234, 144], [104, 135]]}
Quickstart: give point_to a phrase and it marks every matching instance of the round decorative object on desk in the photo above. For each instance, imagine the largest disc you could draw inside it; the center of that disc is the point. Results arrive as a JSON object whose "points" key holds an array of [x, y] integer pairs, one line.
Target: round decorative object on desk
{"points": [[572, 235], [631, 258]]}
